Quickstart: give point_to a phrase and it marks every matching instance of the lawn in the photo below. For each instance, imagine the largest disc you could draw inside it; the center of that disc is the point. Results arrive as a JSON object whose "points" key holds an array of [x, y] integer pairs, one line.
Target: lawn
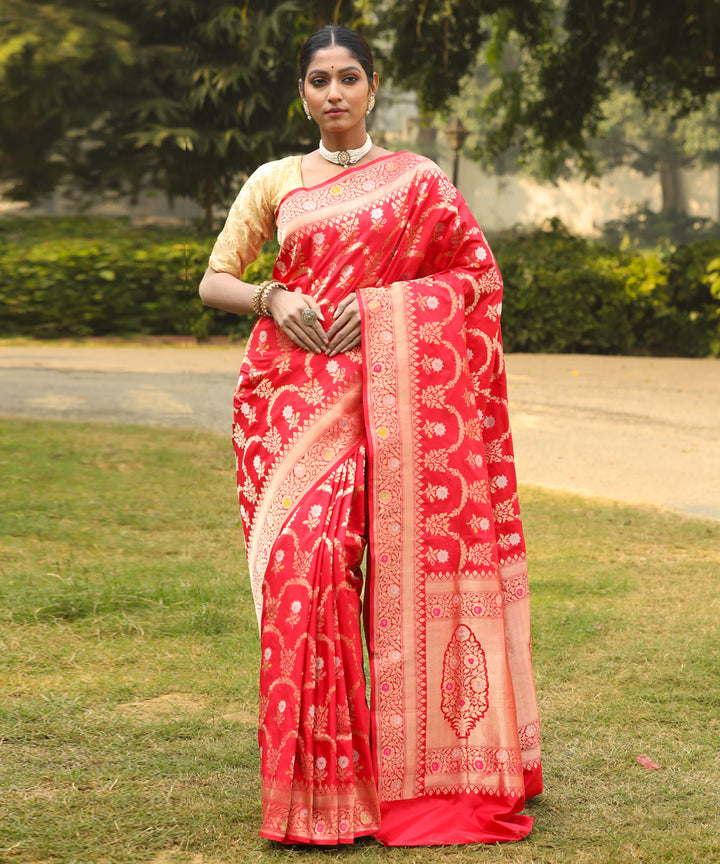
{"points": [[129, 661]]}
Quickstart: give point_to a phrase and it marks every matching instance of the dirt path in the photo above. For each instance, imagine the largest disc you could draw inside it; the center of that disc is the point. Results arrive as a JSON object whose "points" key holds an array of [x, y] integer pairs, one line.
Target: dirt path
{"points": [[630, 429]]}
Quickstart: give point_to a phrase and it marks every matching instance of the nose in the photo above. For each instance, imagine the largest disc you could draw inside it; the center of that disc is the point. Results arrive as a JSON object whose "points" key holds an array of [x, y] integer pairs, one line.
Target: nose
{"points": [[334, 95]]}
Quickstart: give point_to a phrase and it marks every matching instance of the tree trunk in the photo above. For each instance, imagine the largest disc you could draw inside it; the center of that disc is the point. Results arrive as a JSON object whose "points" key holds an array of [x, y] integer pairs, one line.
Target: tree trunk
{"points": [[209, 196], [673, 189]]}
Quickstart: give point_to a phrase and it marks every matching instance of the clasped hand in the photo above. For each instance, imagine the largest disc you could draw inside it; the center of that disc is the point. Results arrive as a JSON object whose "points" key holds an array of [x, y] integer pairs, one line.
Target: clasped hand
{"points": [[343, 334]]}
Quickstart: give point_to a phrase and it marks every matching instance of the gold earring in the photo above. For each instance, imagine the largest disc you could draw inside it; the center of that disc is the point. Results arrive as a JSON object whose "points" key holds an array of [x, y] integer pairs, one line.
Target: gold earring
{"points": [[371, 103], [307, 109]]}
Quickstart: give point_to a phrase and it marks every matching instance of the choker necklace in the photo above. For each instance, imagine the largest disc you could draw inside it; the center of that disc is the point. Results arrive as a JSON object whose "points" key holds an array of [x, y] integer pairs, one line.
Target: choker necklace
{"points": [[346, 157]]}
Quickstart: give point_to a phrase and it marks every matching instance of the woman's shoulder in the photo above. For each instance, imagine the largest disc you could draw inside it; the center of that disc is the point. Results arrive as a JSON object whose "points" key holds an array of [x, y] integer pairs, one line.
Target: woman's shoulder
{"points": [[277, 171], [278, 167], [429, 167], [273, 180], [423, 166]]}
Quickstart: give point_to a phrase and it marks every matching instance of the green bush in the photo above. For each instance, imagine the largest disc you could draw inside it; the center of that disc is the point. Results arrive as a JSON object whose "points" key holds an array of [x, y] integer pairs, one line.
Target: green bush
{"points": [[560, 298], [95, 277], [568, 294], [690, 303]]}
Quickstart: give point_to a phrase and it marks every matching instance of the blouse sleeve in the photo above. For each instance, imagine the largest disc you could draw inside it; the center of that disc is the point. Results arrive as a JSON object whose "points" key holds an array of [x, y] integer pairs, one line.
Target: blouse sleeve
{"points": [[250, 222]]}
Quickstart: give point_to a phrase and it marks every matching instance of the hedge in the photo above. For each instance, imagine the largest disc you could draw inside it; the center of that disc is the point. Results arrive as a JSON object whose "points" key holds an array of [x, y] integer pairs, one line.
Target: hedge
{"points": [[100, 277], [93, 277], [566, 294]]}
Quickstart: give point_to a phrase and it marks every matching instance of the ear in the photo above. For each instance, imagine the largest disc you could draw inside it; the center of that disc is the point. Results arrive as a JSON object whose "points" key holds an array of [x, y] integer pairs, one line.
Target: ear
{"points": [[374, 83], [301, 89]]}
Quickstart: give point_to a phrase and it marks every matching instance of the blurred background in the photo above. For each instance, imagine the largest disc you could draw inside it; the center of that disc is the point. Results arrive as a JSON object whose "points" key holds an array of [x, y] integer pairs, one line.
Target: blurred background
{"points": [[585, 137]]}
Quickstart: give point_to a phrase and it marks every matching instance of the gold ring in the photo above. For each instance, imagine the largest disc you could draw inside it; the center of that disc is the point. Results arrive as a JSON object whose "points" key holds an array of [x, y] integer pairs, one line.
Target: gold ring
{"points": [[309, 317]]}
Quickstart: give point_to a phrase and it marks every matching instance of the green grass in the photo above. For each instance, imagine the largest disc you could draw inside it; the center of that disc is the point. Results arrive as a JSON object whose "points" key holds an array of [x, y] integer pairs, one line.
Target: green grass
{"points": [[128, 651]]}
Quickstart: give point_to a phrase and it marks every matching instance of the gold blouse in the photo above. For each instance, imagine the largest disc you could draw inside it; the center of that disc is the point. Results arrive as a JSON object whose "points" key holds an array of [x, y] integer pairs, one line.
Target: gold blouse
{"points": [[251, 220]]}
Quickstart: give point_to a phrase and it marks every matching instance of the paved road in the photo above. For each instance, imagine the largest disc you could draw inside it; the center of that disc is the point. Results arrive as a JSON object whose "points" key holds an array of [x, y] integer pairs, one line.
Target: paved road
{"points": [[631, 429]]}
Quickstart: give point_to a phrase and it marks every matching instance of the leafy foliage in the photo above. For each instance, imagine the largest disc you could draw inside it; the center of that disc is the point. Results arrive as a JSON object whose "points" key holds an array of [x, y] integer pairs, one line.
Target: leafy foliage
{"points": [[562, 293], [555, 62], [567, 294], [435, 42], [180, 96], [183, 95], [559, 297], [57, 65], [95, 278], [655, 141]]}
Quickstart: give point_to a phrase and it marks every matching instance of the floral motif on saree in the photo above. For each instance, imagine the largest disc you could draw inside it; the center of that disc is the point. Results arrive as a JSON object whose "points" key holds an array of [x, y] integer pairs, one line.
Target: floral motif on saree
{"points": [[412, 431]]}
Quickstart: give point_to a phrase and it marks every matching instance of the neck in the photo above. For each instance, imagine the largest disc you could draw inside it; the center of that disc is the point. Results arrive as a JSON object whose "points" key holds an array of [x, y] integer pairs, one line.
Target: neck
{"points": [[348, 157], [344, 141]]}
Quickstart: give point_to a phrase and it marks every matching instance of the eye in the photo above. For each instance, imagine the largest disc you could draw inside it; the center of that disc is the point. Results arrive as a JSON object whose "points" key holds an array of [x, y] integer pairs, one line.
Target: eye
{"points": [[317, 82], [350, 79]]}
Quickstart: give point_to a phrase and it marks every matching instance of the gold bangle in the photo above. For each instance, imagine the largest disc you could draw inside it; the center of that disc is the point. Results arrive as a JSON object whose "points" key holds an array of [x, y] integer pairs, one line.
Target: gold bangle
{"points": [[267, 287], [256, 299]]}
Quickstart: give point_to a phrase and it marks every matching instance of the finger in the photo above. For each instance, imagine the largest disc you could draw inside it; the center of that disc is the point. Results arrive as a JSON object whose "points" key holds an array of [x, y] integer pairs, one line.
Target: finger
{"points": [[316, 331], [316, 335], [298, 333], [303, 343], [310, 303], [342, 305], [344, 340], [313, 304], [348, 318], [307, 334], [345, 346], [302, 338], [338, 332], [334, 327]]}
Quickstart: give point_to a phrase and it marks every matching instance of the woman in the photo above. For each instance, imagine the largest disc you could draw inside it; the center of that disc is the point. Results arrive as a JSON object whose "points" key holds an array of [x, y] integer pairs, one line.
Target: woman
{"points": [[371, 412]]}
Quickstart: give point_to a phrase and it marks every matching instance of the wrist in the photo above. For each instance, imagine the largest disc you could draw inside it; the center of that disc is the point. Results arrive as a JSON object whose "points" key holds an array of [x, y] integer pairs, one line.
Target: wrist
{"points": [[271, 297], [262, 295]]}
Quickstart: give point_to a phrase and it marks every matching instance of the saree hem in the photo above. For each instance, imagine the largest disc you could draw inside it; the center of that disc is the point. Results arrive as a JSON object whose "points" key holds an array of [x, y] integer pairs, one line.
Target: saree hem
{"points": [[292, 840], [451, 820], [532, 775]]}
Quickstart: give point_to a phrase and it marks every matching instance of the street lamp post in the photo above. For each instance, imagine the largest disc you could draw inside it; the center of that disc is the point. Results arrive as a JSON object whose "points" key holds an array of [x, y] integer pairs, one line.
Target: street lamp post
{"points": [[456, 134]]}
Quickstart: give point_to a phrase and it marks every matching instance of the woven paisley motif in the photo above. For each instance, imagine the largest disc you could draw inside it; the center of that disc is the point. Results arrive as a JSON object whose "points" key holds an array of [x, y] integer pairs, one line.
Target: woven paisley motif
{"points": [[464, 682]]}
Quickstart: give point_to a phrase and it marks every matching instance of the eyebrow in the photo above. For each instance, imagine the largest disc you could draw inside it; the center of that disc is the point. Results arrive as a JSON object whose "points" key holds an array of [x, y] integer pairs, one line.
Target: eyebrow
{"points": [[340, 71]]}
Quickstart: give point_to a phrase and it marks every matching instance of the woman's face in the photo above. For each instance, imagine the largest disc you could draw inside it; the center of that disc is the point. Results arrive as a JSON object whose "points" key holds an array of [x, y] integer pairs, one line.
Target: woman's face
{"points": [[337, 89]]}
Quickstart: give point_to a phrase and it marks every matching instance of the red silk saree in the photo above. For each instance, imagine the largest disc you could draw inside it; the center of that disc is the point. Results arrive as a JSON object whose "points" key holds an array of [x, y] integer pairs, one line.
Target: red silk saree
{"points": [[402, 448]]}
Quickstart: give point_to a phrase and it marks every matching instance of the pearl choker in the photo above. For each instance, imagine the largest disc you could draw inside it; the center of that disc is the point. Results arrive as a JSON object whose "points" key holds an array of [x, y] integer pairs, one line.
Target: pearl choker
{"points": [[346, 157]]}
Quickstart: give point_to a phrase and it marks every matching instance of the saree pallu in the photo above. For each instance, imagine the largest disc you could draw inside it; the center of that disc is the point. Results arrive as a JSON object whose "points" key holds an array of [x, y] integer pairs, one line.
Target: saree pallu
{"points": [[402, 446]]}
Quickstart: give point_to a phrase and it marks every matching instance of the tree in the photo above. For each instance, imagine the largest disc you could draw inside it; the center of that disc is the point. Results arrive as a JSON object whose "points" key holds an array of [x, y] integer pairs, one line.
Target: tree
{"points": [[654, 142], [177, 95], [57, 63], [568, 56], [649, 140]]}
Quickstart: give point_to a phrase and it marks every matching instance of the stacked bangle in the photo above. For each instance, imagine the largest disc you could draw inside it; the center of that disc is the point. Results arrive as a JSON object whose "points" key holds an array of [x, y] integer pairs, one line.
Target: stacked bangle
{"points": [[259, 300]]}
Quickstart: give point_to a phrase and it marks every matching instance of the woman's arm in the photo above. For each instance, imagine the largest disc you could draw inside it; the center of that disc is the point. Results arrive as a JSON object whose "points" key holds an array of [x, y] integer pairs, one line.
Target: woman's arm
{"points": [[227, 292]]}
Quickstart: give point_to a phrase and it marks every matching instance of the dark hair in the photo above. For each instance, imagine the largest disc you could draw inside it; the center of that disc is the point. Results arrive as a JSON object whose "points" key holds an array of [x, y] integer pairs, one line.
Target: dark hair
{"points": [[333, 34]]}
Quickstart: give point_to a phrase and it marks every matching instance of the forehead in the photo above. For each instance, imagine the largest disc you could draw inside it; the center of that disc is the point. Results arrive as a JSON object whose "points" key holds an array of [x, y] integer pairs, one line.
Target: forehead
{"points": [[333, 56]]}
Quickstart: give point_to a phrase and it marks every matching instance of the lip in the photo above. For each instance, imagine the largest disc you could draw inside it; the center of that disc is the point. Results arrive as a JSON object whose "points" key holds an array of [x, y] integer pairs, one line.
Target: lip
{"points": [[335, 112]]}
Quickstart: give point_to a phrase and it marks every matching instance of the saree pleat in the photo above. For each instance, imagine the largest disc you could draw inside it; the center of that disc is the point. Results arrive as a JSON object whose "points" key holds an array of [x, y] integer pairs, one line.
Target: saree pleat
{"points": [[405, 446], [318, 785]]}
